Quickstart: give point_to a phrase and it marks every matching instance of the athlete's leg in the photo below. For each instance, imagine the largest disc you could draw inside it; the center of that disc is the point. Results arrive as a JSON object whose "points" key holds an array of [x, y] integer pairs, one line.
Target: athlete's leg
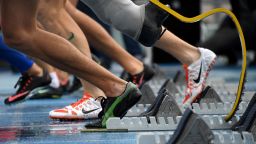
{"points": [[101, 40], [168, 42], [21, 32], [54, 18], [32, 76], [145, 22], [181, 50], [17, 59]]}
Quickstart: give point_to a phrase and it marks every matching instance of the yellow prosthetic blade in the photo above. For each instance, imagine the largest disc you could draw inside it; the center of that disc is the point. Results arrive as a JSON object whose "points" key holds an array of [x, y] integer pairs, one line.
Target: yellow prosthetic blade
{"points": [[241, 36]]}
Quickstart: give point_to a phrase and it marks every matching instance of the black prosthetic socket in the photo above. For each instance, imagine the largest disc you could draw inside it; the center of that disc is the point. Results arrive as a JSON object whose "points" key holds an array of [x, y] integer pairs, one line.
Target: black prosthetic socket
{"points": [[152, 26]]}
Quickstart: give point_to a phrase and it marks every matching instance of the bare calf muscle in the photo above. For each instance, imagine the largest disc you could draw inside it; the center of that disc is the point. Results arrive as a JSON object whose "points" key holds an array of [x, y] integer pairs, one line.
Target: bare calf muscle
{"points": [[46, 46]]}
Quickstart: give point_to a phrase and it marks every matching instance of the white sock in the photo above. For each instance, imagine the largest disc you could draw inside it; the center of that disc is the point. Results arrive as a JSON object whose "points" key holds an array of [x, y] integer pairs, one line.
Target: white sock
{"points": [[55, 80]]}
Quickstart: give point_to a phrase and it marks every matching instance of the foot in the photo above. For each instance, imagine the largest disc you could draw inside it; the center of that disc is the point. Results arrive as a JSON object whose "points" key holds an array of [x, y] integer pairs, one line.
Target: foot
{"points": [[117, 106], [85, 108], [140, 78], [26, 86], [47, 92], [152, 26], [196, 76]]}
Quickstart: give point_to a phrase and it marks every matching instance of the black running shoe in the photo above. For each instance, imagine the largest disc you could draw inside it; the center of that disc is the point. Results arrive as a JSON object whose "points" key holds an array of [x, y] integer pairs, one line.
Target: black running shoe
{"points": [[75, 85], [117, 106], [140, 78], [47, 92], [26, 85]]}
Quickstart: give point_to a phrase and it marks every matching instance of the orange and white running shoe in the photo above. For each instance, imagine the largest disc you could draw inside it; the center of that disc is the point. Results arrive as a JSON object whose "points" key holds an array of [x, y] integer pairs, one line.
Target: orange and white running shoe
{"points": [[196, 76], [85, 108]]}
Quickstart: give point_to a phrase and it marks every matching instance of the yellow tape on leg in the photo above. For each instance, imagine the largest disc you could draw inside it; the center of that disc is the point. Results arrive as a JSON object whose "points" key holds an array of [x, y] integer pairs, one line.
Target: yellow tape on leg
{"points": [[241, 36]]}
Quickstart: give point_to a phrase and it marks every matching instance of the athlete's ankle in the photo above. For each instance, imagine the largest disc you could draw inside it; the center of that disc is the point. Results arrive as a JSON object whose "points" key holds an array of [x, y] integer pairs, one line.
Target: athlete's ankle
{"points": [[136, 69], [192, 56], [35, 70], [116, 90]]}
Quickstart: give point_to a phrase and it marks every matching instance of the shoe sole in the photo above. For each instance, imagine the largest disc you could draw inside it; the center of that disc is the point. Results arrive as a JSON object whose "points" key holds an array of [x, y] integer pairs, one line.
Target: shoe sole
{"points": [[72, 118], [30, 94], [196, 98]]}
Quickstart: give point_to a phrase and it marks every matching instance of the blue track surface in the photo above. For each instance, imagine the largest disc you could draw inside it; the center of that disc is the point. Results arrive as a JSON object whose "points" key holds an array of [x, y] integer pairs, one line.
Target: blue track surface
{"points": [[28, 122]]}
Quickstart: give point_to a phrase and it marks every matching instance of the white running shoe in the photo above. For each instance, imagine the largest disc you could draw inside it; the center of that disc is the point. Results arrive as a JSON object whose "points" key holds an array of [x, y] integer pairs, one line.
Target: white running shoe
{"points": [[85, 108], [196, 76]]}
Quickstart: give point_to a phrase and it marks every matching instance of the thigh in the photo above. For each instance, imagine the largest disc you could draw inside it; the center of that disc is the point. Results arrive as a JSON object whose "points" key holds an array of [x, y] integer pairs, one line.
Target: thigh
{"points": [[18, 14]]}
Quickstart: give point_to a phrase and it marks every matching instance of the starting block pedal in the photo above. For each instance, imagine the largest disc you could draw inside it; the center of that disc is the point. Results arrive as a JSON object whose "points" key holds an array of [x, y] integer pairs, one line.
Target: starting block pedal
{"points": [[163, 106], [209, 95], [148, 95], [191, 129], [170, 86], [247, 121], [164, 101]]}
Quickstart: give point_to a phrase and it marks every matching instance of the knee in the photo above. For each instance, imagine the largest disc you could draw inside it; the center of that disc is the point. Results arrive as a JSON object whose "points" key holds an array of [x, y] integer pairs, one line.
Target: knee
{"points": [[16, 38]]}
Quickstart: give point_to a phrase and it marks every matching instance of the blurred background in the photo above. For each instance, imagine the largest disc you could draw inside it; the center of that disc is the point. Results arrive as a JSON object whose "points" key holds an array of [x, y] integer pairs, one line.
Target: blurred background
{"points": [[216, 32]]}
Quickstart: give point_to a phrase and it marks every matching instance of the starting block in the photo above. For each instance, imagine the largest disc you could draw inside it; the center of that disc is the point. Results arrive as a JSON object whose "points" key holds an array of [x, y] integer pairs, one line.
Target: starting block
{"points": [[247, 121], [220, 137], [215, 122], [164, 106], [148, 95], [191, 129], [209, 95]]}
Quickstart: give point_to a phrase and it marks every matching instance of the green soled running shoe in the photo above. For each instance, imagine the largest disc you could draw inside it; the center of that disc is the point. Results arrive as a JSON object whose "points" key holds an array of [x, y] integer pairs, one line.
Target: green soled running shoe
{"points": [[117, 106]]}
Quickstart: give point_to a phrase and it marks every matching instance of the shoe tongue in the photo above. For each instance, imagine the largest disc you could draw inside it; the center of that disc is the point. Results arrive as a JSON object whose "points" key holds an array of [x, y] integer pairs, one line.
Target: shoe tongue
{"points": [[194, 64], [197, 62]]}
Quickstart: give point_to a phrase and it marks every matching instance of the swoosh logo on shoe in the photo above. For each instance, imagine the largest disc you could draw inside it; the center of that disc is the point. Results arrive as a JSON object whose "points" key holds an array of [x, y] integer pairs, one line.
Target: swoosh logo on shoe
{"points": [[43, 91], [12, 98], [89, 111], [199, 75]]}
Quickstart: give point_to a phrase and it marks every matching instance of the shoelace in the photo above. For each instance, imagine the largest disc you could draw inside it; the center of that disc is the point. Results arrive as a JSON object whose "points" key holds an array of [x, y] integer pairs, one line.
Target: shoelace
{"points": [[78, 102], [23, 82], [103, 101]]}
